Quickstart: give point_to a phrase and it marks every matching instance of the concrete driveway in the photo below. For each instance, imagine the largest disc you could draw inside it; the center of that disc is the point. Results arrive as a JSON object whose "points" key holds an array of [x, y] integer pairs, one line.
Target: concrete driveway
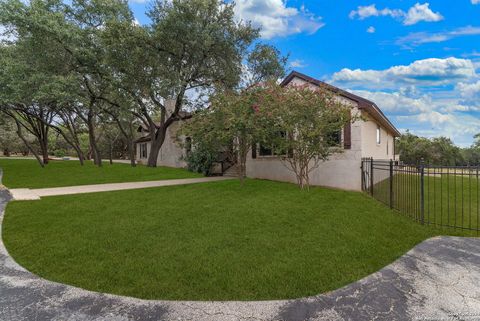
{"points": [[437, 280]]}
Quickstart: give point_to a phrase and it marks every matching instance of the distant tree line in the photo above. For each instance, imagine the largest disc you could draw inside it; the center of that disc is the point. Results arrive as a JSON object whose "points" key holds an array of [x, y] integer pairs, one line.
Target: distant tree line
{"points": [[437, 151], [81, 76]]}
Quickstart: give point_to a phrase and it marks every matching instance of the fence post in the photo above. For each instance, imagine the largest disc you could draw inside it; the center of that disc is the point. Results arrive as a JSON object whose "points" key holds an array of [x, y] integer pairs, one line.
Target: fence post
{"points": [[371, 176], [422, 192], [362, 170], [391, 183]]}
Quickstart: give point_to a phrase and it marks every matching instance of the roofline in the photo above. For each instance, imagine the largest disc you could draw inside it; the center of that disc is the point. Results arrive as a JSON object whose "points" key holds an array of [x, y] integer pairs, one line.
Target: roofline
{"points": [[143, 139], [363, 104]]}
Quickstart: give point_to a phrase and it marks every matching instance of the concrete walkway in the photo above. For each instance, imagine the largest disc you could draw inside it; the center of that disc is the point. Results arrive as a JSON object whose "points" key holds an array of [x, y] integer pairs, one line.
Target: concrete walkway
{"points": [[20, 194], [437, 280]]}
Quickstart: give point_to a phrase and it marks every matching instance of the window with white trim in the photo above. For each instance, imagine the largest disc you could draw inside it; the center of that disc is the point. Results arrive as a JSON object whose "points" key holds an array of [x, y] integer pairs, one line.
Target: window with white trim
{"points": [[143, 150], [379, 138]]}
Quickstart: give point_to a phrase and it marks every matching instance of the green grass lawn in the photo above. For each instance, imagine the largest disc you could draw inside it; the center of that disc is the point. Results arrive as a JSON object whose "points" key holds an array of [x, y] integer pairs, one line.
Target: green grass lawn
{"points": [[452, 200], [26, 173], [211, 241]]}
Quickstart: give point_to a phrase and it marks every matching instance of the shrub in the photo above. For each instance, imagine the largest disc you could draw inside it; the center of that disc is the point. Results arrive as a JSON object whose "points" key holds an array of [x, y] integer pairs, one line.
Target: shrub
{"points": [[60, 153], [200, 159]]}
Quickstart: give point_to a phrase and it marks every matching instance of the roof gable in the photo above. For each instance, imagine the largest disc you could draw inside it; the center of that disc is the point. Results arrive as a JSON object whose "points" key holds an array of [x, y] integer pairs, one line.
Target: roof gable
{"points": [[363, 104]]}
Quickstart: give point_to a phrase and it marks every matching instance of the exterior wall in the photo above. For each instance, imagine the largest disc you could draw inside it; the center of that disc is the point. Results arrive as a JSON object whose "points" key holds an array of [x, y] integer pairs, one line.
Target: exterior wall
{"points": [[341, 170], [170, 154], [370, 148]]}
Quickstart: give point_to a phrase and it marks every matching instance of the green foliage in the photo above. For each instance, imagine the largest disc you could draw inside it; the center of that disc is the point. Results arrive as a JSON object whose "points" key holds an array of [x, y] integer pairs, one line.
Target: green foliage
{"points": [[201, 159], [60, 153], [265, 63], [308, 119], [229, 125], [436, 151], [9, 141]]}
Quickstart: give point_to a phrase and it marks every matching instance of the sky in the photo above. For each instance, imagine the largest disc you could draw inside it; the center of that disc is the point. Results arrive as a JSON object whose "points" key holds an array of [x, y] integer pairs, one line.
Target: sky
{"points": [[418, 61]]}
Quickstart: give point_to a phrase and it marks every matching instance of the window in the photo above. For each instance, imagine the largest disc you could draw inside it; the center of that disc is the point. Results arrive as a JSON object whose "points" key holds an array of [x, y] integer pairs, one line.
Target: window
{"points": [[387, 147], [270, 150], [188, 145], [143, 150], [378, 135], [335, 138], [265, 150]]}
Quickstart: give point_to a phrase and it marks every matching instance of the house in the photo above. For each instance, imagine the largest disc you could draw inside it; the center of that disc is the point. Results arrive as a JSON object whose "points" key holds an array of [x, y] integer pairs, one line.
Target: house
{"points": [[171, 154], [371, 136]]}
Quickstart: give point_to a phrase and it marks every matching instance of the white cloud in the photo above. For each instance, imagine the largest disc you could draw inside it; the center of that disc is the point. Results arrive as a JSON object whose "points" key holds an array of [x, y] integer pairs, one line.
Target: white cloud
{"points": [[429, 115], [419, 12], [426, 72], [397, 102], [297, 63], [475, 1], [371, 29], [364, 12], [139, 1], [276, 19], [419, 38], [469, 90]]}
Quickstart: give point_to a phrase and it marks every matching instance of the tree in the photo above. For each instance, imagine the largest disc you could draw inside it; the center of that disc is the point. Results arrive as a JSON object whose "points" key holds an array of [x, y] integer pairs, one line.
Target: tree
{"points": [[228, 125], [413, 149], [302, 126], [264, 63], [476, 142], [436, 151], [9, 141], [22, 85], [191, 45], [67, 38]]}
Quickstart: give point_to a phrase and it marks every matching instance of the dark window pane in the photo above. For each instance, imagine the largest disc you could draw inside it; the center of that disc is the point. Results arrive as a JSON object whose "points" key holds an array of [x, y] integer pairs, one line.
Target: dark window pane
{"points": [[265, 151]]}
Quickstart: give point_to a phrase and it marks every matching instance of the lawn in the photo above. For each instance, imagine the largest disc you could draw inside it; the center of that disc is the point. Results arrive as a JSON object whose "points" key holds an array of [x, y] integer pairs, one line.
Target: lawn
{"points": [[211, 241], [26, 173]]}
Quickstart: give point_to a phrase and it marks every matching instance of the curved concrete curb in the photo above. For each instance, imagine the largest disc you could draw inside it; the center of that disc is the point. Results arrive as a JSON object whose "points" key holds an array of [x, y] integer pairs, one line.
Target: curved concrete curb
{"points": [[438, 279]]}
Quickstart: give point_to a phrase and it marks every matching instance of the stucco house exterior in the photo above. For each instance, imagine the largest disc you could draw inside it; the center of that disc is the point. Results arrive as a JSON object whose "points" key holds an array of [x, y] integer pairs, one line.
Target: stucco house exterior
{"points": [[373, 135]]}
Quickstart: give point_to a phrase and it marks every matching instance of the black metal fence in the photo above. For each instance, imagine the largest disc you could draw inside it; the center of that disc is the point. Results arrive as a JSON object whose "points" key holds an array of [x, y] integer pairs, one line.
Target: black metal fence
{"points": [[438, 195]]}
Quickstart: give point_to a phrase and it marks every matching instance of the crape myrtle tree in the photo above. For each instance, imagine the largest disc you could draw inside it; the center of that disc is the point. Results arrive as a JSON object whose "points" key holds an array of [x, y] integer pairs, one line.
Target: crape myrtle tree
{"points": [[230, 123], [303, 126]]}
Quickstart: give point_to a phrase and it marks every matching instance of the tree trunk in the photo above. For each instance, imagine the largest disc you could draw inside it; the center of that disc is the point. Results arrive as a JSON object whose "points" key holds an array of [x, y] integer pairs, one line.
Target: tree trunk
{"points": [[156, 144], [131, 152], [111, 154], [130, 144], [97, 159], [44, 149], [81, 157], [242, 151], [29, 146]]}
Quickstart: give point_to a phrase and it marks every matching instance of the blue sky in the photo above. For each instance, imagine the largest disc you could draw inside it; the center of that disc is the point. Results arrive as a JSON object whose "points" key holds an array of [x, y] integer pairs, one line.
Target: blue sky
{"points": [[419, 61]]}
